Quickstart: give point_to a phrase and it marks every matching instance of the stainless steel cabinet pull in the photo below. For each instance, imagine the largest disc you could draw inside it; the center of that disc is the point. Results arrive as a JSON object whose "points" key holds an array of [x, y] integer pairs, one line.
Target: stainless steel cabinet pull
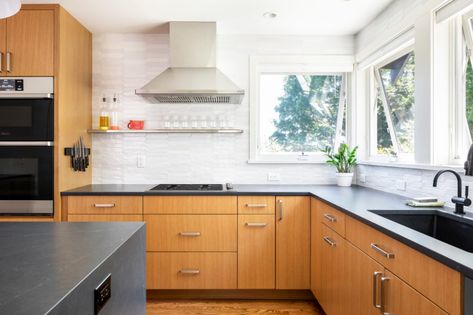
{"points": [[376, 275], [329, 241], [1, 62], [381, 296], [104, 205], [382, 251], [281, 210], [251, 224], [190, 271], [193, 234], [9, 61], [256, 205], [329, 217]]}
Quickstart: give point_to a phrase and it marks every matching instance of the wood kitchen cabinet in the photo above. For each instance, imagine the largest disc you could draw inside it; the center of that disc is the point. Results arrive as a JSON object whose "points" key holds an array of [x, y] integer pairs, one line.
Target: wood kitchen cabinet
{"points": [[256, 252], [293, 242], [362, 282], [27, 42]]}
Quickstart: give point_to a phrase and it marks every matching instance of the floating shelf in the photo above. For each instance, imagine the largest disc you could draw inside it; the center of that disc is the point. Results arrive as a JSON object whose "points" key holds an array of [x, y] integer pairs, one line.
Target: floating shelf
{"points": [[186, 130]]}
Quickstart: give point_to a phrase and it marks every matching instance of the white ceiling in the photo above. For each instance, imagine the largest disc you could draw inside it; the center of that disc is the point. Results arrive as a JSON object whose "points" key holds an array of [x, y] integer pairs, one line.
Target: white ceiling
{"points": [[318, 17]]}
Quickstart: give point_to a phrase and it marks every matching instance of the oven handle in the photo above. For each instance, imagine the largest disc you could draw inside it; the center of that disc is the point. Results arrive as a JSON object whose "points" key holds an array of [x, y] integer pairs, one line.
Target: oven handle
{"points": [[26, 95], [26, 143]]}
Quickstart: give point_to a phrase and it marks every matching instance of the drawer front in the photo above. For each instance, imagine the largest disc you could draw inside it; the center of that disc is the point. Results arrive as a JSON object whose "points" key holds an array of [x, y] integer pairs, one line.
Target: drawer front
{"points": [[191, 270], [104, 217], [190, 204], [168, 233], [256, 252], [256, 204], [331, 217], [439, 283], [104, 205]]}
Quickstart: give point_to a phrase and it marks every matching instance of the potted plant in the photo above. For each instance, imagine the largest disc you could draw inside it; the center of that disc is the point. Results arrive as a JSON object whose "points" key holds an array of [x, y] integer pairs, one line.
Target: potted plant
{"points": [[345, 161]]}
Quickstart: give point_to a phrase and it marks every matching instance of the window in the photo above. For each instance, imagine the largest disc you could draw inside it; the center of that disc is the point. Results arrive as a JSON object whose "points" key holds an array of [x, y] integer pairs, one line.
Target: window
{"points": [[394, 107], [298, 110]]}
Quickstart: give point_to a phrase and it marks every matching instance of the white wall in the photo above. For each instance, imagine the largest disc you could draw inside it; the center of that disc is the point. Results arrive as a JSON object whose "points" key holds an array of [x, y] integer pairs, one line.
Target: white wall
{"points": [[124, 62]]}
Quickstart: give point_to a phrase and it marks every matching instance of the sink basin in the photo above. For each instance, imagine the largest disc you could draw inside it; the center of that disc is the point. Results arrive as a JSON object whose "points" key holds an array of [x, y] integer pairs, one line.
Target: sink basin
{"points": [[449, 228]]}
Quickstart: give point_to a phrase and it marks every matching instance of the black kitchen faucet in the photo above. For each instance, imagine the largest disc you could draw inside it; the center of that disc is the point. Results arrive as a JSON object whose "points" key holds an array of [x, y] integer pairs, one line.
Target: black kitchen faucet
{"points": [[458, 200]]}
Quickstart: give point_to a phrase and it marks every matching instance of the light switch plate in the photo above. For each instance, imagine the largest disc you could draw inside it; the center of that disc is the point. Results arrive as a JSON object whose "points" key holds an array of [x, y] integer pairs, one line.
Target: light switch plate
{"points": [[362, 178], [140, 161], [401, 184], [274, 177]]}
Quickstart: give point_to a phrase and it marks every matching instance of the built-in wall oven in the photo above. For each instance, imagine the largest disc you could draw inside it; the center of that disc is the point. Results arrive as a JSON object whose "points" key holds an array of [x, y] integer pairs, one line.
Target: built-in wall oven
{"points": [[26, 145]]}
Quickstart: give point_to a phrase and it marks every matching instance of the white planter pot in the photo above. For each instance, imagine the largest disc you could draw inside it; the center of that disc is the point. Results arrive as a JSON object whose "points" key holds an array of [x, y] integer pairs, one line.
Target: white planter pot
{"points": [[344, 179]]}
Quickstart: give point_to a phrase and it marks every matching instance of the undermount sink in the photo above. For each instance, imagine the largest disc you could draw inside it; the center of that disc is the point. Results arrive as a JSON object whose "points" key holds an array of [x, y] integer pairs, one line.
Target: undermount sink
{"points": [[449, 228]]}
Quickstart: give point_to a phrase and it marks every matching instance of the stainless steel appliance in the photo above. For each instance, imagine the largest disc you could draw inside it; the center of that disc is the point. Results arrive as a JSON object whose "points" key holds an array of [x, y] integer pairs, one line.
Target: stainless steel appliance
{"points": [[199, 187], [26, 145]]}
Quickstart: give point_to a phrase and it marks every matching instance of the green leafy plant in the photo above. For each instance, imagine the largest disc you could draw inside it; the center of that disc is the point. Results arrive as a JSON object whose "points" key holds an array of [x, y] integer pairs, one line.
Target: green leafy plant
{"points": [[344, 159]]}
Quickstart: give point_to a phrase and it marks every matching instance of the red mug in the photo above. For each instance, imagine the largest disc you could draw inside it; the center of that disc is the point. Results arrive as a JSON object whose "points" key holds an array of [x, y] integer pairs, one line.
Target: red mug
{"points": [[136, 124]]}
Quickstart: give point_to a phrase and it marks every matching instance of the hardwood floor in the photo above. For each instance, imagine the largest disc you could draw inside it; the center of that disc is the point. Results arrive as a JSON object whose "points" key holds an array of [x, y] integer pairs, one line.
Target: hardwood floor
{"points": [[232, 307]]}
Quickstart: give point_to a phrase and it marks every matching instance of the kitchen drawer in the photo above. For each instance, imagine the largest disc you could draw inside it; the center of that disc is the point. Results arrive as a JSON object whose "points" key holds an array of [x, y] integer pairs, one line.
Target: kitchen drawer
{"points": [[104, 204], [439, 283], [190, 204], [104, 217], [256, 204], [168, 233], [331, 217], [191, 270], [256, 251]]}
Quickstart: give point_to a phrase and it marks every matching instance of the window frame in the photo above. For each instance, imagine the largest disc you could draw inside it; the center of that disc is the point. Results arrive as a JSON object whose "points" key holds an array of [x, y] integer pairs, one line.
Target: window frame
{"points": [[307, 65], [375, 84]]}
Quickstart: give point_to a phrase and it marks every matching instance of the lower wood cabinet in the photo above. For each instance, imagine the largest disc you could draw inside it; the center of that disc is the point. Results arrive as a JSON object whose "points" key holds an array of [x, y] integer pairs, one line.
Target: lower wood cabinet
{"points": [[401, 299], [293, 242], [256, 252], [332, 293], [191, 270]]}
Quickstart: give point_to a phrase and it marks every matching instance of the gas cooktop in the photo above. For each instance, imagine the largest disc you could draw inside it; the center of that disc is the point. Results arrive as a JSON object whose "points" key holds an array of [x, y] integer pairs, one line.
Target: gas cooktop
{"points": [[188, 187]]}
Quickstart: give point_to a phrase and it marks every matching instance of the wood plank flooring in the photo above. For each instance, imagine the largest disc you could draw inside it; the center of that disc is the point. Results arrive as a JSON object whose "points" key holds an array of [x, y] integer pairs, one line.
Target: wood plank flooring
{"points": [[232, 307]]}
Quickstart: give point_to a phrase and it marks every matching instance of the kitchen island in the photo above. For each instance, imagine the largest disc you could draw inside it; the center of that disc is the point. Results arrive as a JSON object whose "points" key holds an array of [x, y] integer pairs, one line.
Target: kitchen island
{"points": [[53, 268]]}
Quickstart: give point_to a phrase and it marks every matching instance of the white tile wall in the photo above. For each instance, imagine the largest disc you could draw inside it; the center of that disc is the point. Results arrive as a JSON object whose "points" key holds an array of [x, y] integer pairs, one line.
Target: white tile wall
{"points": [[124, 62]]}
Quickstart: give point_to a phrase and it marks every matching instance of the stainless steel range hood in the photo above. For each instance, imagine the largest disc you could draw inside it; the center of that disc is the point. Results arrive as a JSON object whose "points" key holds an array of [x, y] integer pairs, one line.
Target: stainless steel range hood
{"points": [[192, 76]]}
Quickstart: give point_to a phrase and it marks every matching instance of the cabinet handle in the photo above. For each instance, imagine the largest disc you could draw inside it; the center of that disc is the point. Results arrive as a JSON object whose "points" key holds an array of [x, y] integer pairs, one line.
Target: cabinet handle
{"points": [[376, 275], [281, 210], [193, 234], [382, 251], [190, 271], [381, 296], [330, 218], [329, 241], [251, 224], [104, 205], [1, 62], [256, 205], [9, 54]]}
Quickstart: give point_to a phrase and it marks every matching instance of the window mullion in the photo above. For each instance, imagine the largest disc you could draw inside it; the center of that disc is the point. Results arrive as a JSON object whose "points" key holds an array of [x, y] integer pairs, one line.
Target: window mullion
{"points": [[387, 112], [341, 110]]}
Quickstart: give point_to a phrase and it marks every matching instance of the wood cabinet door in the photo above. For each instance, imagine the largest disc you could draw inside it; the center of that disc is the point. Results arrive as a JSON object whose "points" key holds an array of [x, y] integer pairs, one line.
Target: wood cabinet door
{"points": [[363, 276], [3, 46], [256, 247], [293, 242], [332, 294], [401, 299], [30, 43], [315, 249]]}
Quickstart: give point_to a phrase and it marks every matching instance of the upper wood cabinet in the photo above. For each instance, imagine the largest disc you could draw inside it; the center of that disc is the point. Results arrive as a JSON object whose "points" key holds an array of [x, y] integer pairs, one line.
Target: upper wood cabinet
{"points": [[292, 242], [27, 43]]}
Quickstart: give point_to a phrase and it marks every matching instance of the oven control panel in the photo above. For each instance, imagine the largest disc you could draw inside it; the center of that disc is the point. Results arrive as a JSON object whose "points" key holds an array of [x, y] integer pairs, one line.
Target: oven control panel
{"points": [[11, 85]]}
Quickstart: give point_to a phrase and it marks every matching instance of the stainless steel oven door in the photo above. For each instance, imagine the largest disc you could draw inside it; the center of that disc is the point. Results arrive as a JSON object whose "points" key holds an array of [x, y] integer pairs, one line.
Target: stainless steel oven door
{"points": [[26, 178]]}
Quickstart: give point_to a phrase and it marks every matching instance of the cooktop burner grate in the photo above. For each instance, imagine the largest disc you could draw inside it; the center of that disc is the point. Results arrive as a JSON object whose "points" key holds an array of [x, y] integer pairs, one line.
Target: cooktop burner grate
{"points": [[199, 187]]}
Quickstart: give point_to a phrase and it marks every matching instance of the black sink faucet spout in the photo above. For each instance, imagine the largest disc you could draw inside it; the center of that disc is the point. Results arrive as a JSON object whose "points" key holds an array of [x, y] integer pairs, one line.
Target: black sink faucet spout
{"points": [[458, 200]]}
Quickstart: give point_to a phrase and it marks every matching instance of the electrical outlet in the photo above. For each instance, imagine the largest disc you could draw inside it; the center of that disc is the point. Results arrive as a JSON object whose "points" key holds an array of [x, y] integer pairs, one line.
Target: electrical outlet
{"points": [[401, 185], [274, 177], [140, 161], [362, 178]]}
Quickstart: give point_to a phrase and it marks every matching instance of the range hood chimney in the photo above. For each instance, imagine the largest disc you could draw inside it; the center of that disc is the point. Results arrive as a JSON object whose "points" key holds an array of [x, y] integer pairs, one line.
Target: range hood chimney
{"points": [[192, 76]]}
